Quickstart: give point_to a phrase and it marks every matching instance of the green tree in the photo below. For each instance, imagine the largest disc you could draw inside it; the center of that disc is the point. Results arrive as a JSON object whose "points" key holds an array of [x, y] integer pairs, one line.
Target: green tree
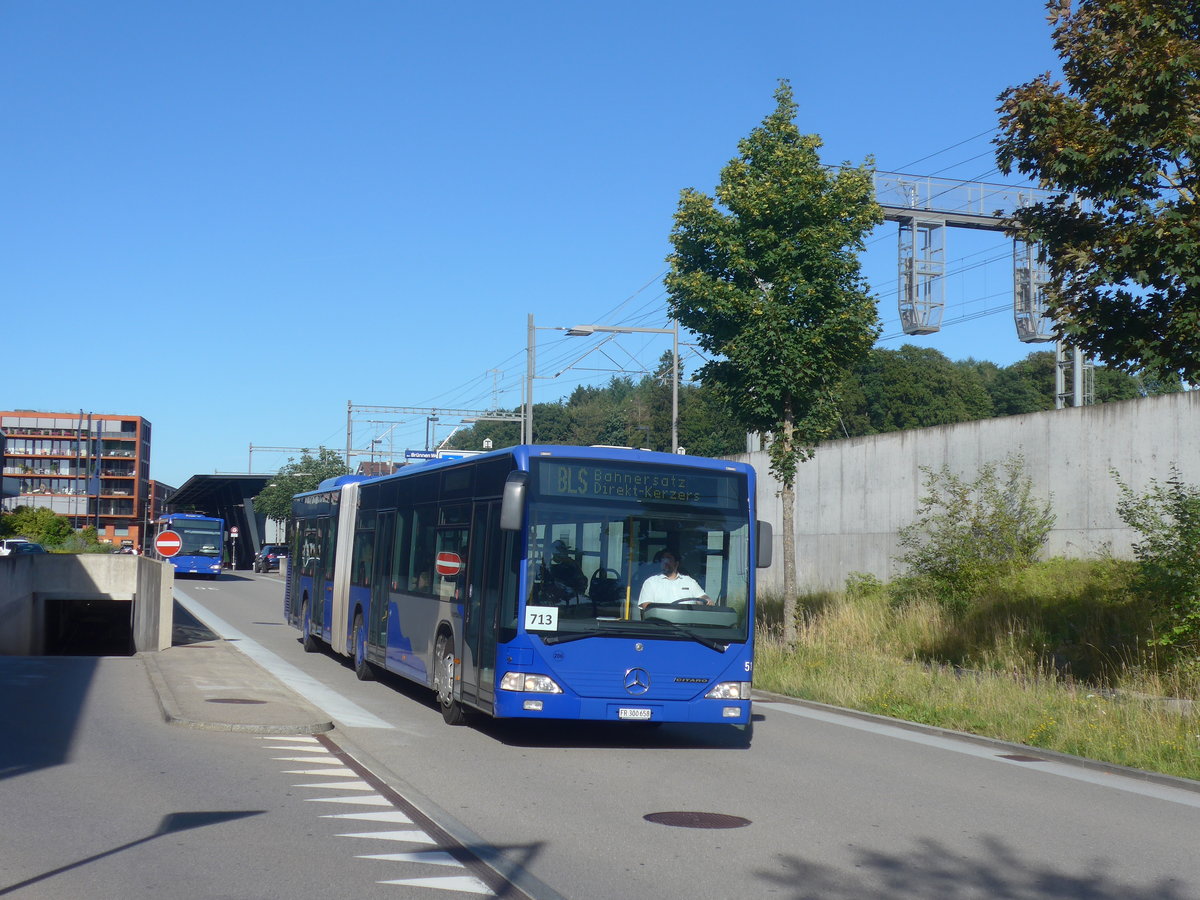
{"points": [[1120, 146], [38, 524], [1026, 386], [297, 476], [913, 387], [767, 275]]}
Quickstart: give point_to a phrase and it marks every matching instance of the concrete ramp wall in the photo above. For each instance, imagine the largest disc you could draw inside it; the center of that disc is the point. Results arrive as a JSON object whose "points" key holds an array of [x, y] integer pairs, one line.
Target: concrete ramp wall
{"points": [[855, 495], [29, 581]]}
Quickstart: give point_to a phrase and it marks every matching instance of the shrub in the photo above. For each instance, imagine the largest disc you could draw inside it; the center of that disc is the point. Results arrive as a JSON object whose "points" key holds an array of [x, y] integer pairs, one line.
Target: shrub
{"points": [[1168, 518], [969, 533]]}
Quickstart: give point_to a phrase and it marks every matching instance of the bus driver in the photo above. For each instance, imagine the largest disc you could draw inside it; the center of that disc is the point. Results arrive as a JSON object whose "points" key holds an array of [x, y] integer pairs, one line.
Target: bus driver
{"points": [[671, 585]]}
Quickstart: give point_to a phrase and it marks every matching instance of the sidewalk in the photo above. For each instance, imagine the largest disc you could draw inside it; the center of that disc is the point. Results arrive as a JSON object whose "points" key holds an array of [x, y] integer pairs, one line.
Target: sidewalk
{"points": [[203, 681]]}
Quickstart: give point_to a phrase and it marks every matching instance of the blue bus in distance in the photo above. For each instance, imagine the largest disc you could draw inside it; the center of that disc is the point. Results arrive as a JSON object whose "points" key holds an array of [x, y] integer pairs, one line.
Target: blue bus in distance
{"points": [[511, 583], [202, 540]]}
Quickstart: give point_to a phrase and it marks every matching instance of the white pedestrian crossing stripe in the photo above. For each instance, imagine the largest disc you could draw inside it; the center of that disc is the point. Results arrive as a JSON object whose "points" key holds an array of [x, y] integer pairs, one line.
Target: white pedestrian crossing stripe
{"points": [[329, 766], [468, 884], [392, 816], [433, 857], [411, 837]]}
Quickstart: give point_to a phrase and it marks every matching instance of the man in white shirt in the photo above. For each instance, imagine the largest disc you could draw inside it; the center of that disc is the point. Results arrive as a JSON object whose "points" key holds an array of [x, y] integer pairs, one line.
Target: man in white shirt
{"points": [[671, 585]]}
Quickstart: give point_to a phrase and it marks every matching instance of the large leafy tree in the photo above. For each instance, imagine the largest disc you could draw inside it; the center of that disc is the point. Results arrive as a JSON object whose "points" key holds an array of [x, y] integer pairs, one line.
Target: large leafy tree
{"points": [[1119, 144], [767, 276], [297, 476]]}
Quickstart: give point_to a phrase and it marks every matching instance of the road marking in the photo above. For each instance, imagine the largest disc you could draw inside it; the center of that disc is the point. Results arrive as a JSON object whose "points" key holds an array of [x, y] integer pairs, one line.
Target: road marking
{"points": [[433, 857], [1048, 766], [395, 816], [408, 837], [467, 884], [336, 765], [373, 800], [331, 702], [340, 785]]}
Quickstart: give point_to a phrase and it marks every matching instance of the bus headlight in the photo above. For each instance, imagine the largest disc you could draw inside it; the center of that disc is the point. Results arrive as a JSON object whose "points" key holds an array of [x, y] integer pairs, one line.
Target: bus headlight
{"points": [[730, 690], [526, 681]]}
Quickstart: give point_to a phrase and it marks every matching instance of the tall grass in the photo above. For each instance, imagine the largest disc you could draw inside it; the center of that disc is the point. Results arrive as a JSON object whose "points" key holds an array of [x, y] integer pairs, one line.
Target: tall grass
{"points": [[1054, 657]]}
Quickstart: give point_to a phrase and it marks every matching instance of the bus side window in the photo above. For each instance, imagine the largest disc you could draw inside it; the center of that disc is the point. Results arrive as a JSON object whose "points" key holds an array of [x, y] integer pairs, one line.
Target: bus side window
{"points": [[400, 555], [421, 555], [362, 557]]}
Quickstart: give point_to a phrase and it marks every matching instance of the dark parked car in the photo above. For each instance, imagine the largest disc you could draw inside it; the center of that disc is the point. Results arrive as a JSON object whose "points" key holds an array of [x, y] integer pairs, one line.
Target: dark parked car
{"points": [[267, 558], [27, 547]]}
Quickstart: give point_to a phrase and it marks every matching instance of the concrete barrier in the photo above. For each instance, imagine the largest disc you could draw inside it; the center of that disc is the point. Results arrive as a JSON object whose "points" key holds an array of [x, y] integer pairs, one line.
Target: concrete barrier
{"points": [[855, 495], [28, 582]]}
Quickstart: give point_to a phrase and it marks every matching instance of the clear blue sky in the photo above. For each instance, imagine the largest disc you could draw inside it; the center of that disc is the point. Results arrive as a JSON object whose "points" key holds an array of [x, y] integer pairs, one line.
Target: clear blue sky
{"points": [[234, 218]]}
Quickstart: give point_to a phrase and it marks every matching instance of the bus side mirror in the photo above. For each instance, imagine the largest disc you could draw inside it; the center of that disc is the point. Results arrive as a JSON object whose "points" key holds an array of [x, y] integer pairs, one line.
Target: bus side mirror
{"points": [[512, 506], [764, 545]]}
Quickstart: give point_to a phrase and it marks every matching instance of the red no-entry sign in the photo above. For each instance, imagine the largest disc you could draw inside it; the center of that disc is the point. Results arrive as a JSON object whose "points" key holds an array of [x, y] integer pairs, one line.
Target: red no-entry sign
{"points": [[168, 543], [448, 563]]}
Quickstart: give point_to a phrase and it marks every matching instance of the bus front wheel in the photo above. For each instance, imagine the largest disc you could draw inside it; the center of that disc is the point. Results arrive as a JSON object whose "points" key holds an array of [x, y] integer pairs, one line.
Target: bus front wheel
{"points": [[443, 683]]}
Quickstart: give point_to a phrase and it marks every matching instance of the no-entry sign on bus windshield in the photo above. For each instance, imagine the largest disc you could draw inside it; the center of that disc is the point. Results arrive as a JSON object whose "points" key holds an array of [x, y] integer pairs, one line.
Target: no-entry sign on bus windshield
{"points": [[168, 543], [448, 563]]}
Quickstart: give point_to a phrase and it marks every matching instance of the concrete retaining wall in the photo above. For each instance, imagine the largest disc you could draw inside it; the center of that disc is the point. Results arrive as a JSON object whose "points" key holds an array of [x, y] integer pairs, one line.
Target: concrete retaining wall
{"points": [[855, 495], [28, 580]]}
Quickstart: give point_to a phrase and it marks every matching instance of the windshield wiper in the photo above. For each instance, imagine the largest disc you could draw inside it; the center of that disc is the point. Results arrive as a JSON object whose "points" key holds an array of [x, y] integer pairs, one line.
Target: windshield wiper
{"points": [[679, 629], [564, 637]]}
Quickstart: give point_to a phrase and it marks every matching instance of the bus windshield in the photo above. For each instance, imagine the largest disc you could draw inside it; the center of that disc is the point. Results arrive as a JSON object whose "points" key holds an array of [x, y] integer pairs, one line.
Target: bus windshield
{"points": [[621, 549], [198, 538]]}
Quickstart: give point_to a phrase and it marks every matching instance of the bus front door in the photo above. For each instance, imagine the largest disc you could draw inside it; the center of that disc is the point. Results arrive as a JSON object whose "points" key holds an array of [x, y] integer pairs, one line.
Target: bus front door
{"points": [[484, 572], [323, 574]]}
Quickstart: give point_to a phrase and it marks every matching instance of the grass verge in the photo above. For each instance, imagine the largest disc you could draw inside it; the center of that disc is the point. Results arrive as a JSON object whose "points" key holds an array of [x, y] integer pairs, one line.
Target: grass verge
{"points": [[1007, 668]]}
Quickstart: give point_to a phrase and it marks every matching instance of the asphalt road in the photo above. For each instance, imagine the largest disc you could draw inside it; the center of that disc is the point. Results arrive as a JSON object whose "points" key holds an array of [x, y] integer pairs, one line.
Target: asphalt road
{"points": [[828, 805]]}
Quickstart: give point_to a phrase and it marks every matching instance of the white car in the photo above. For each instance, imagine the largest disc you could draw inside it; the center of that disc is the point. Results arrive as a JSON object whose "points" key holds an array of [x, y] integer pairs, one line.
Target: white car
{"points": [[7, 545]]}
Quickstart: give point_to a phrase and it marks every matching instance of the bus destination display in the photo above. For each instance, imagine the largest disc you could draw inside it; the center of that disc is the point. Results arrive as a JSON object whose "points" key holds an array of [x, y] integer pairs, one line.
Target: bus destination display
{"points": [[583, 480]]}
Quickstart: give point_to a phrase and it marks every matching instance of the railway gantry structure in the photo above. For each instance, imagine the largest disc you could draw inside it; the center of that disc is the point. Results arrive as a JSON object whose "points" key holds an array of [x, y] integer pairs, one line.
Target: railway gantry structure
{"points": [[924, 207]]}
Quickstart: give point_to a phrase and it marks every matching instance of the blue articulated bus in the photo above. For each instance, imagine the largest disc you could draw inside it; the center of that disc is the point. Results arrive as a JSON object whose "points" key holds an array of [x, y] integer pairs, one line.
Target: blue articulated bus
{"points": [[201, 541], [547, 582]]}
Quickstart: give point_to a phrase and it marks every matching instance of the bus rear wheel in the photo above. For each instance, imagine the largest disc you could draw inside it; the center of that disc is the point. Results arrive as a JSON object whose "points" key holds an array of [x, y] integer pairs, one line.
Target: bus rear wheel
{"points": [[309, 641], [443, 681]]}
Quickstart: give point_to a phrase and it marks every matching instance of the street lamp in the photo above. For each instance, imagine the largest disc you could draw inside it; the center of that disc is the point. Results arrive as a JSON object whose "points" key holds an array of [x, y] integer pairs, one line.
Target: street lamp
{"points": [[589, 330]]}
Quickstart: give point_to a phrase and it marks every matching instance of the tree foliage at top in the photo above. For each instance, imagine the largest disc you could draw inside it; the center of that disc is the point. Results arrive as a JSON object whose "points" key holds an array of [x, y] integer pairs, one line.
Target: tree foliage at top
{"points": [[767, 275], [297, 476], [1119, 144]]}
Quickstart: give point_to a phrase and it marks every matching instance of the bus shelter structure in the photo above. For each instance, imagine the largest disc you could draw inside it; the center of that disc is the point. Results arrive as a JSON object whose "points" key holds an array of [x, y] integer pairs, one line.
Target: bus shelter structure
{"points": [[231, 497]]}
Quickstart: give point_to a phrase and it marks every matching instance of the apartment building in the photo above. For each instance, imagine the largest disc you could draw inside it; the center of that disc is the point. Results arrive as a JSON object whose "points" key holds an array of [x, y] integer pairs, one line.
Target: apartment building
{"points": [[92, 468]]}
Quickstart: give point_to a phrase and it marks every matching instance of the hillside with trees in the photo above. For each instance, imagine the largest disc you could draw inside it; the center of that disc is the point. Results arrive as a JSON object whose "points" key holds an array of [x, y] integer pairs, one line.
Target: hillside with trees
{"points": [[893, 390]]}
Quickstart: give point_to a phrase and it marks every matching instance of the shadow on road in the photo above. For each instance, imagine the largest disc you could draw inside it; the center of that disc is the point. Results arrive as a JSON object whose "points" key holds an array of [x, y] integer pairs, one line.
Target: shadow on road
{"points": [[932, 871]]}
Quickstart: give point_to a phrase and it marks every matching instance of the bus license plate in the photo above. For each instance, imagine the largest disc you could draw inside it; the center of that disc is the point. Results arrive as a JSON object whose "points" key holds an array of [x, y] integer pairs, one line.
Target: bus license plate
{"points": [[625, 712]]}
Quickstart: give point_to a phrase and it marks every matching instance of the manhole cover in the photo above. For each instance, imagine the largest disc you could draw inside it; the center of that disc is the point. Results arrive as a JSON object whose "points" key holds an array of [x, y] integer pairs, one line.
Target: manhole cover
{"points": [[235, 700], [1017, 757], [696, 820]]}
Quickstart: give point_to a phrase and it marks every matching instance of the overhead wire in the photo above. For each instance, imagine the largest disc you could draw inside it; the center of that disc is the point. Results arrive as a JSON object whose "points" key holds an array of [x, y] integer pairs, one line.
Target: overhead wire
{"points": [[553, 354]]}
